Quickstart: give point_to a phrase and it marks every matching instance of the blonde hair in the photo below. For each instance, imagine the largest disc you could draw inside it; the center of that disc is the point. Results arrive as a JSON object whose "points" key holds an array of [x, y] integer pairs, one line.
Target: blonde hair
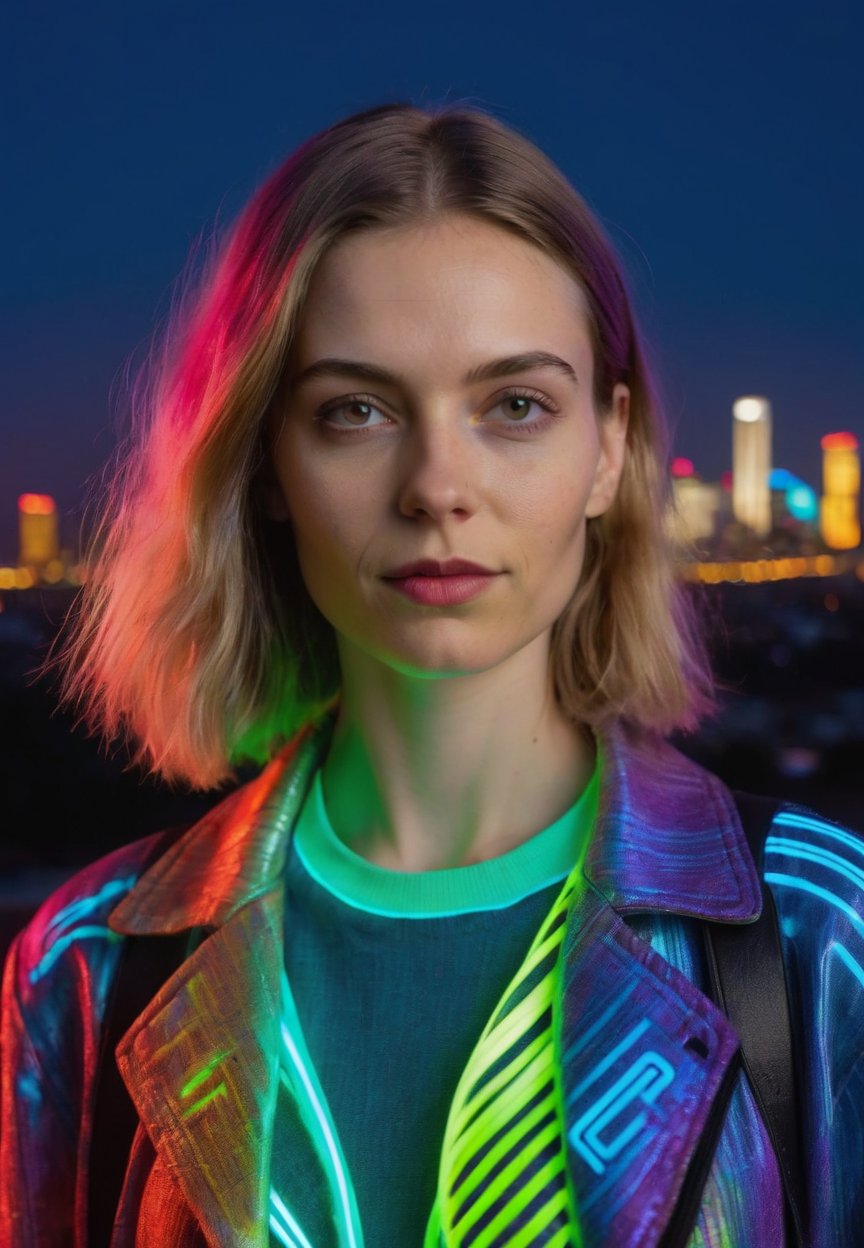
{"points": [[194, 634]]}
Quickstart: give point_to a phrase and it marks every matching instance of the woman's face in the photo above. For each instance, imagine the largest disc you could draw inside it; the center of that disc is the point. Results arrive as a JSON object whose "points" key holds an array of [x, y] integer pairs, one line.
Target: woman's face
{"points": [[430, 464]]}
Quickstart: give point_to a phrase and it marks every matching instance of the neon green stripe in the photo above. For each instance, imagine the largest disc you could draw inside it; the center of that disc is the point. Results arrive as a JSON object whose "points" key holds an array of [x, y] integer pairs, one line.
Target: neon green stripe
{"points": [[484, 1058], [541, 946], [533, 959], [567, 1237], [531, 963], [221, 1090], [503, 1112], [493, 1045], [470, 1124], [204, 1073], [522, 1127], [513, 1073], [525, 1237], [523, 1197], [502, 1108], [432, 1238], [558, 1075], [526, 1154], [516, 1023]]}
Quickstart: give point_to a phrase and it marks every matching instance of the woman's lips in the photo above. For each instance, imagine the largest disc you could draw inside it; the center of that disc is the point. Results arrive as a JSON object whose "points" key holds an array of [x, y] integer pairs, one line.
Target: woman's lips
{"points": [[443, 591]]}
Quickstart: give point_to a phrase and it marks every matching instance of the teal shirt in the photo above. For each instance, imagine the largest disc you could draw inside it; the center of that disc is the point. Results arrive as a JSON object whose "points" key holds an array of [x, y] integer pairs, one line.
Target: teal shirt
{"points": [[394, 975]]}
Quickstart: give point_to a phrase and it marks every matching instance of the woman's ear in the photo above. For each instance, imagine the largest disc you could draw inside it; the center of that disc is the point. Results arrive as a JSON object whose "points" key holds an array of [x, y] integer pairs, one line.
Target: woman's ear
{"points": [[612, 428]]}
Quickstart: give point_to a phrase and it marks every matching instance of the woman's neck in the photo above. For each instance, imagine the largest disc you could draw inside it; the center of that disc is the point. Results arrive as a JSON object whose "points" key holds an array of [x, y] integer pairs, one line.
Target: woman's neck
{"points": [[466, 771]]}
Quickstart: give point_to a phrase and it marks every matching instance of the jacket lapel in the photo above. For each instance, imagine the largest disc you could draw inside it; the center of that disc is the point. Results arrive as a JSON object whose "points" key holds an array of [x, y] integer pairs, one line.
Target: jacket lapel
{"points": [[643, 1051], [201, 1062], [643, 1056]]}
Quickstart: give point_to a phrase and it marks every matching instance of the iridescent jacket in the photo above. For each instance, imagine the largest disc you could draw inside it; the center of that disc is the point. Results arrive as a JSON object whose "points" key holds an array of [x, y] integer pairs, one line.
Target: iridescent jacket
{"points": [[643, 1048]]}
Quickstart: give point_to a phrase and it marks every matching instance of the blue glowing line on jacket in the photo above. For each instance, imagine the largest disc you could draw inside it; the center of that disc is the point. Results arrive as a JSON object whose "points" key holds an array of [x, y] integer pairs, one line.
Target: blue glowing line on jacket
{"points": [[825, 857], [281, 1234], [86, 905], [72, 913], [796, 881], [585, 1037], [284, 1233], [45, 963], [602, 1066], [787, 819], [644, 1080], [28, 1087], [325, 1128], [845, 956]]}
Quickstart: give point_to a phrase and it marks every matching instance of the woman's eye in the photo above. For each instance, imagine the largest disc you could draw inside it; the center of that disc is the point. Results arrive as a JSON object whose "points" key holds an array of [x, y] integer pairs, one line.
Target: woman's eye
{"points": [[515, 407], [519, 407], [327, 413]]}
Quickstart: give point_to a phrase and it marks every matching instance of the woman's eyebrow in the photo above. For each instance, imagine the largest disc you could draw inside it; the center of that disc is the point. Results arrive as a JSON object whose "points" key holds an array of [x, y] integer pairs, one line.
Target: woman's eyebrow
{"points": [[333, 367]]}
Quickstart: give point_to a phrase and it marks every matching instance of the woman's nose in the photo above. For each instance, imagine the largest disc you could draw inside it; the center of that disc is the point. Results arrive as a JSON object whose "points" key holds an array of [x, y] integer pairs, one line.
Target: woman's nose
{"points": [[439, 472]]}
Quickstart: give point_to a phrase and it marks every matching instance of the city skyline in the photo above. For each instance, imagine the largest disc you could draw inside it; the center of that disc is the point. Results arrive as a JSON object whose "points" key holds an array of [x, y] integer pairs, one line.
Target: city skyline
{"points": [[733, 199], [813, 479], [759, 521]]}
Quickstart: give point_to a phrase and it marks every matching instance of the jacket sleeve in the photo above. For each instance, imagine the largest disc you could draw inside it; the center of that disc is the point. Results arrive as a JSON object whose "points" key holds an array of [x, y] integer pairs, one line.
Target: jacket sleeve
{"points": [[55, 981], [815, 870]]}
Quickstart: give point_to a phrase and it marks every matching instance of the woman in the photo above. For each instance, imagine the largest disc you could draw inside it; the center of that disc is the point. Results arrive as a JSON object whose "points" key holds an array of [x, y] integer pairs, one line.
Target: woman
{"points": [[443, 981]]}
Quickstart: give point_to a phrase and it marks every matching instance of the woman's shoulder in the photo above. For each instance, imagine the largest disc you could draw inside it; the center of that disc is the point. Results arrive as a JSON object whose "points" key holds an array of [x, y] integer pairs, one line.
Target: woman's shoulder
{"points": [[813, 863], [817, 855], [68, 935], [814, 866]]}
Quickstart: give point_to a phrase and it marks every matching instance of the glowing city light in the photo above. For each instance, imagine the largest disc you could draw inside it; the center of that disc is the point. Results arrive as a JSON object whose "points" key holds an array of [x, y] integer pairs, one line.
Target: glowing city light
{"points": [[841, 483], [802, 502], [682, 467], [750, 409], [751, 463], [839, 442], [36, 504]]}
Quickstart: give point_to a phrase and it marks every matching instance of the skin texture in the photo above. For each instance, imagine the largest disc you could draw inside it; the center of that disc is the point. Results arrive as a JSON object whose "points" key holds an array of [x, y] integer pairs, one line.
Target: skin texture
{"points": [[449, 748]]}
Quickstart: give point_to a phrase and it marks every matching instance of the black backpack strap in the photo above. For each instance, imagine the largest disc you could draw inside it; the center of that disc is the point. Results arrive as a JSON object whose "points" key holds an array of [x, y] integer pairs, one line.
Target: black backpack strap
{"points": [[749, 984], [144, 964]]}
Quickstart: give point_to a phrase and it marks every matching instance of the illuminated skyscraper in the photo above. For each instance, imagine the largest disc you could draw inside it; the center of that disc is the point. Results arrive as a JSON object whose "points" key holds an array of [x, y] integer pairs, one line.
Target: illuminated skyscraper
{"points": [[697, 505], [751, 463], [37, 530], [840, 525]]}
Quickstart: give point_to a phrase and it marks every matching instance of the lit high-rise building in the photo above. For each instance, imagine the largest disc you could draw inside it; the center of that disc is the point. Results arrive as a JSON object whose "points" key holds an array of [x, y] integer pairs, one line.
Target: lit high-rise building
{"points": [[697, 505], [39, 541], [751, 463], [839, 521]]}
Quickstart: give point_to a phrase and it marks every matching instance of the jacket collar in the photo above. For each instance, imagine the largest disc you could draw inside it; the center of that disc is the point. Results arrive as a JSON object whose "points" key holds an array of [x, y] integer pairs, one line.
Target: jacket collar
{"points": [[668, 835], [201, 1061], [233, 854], [668, 838]]}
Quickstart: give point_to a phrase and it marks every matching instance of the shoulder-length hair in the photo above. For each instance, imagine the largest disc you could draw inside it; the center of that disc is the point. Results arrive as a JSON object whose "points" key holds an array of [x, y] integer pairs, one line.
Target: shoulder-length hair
{"points": [[194, 634]]}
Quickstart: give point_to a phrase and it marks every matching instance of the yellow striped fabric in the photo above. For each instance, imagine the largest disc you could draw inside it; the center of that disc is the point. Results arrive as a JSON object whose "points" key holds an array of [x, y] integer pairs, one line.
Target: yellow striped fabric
{"points": [[503, 1180]]}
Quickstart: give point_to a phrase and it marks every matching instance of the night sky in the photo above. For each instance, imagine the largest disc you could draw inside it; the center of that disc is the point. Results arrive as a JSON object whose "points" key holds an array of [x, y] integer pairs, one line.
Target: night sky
{"points": [[720, 147]]}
